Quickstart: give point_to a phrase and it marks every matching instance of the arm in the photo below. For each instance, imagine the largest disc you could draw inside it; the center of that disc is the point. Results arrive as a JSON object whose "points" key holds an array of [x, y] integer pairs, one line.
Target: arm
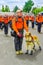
{"points": [[25, 25], [14, 25]]}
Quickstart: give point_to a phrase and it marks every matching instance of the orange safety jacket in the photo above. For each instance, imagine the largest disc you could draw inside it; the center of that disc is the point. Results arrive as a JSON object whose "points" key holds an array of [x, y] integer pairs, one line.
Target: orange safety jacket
{"points": [[26, 17], [19, 24], [42, 18], [39, 19], [6, 20], [31, 18], [1, 19], [10, 18]]}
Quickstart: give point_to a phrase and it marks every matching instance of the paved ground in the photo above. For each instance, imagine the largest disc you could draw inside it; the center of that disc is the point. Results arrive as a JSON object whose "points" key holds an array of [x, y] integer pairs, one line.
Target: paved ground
{"points": [[7, 52]]}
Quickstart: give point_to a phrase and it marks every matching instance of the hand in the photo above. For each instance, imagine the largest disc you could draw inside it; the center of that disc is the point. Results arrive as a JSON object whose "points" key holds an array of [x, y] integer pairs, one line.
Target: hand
{"points": [[19, 35]]}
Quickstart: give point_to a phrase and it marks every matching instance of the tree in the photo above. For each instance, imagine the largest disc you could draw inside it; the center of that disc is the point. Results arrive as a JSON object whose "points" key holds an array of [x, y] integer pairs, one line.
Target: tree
{"points": [[28, 5], [36, 10], [3, 10], [41, 9], [7, 9], [15, 9]]}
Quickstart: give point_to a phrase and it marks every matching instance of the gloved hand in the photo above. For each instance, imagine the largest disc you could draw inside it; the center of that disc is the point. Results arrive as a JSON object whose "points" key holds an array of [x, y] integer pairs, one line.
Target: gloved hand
{"points": [[19, 35]]}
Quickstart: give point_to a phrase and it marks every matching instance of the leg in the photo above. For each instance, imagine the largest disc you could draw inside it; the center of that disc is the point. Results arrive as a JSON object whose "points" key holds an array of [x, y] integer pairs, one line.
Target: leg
{"points": [[0, 24], [27, 22], [20, 43], [39, 45], [31, 48], [16, 42], [6, 29], [39, 27], [32, 24], [27, 49]]}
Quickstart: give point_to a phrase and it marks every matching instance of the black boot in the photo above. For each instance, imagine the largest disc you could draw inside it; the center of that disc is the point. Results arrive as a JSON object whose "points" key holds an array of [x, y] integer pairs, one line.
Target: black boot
{"points": [[26, 52], [40, 48], [34, 48], [31, 52]]}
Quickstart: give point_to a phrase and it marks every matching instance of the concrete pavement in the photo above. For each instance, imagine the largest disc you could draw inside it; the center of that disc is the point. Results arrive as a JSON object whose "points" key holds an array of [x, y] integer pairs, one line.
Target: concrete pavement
{"points": [[7, 51]]}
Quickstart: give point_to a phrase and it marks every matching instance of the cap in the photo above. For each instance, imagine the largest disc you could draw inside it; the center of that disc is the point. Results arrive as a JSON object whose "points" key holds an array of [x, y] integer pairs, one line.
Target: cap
{"points": [[18, 11]]}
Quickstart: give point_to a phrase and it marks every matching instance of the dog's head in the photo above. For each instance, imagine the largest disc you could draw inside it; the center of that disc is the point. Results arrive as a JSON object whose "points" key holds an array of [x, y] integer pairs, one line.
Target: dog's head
{"points": [[27, 36]]}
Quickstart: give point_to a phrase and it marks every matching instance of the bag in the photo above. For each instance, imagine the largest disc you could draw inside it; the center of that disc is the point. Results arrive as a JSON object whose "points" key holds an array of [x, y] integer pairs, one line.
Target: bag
{"points": [[13, 33]]}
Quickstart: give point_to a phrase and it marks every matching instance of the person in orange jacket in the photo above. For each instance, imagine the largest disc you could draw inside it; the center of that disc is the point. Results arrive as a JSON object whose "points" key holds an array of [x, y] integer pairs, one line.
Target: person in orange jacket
{"points": [[1, 20], [39, 20], [10, 21], [18, 25], [32, 21], [42, 21], [6, 24], [27, 19]]}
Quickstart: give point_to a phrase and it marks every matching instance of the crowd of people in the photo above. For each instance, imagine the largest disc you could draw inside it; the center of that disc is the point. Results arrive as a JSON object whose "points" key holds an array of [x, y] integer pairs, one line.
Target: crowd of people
{"points": [[18, 23]]}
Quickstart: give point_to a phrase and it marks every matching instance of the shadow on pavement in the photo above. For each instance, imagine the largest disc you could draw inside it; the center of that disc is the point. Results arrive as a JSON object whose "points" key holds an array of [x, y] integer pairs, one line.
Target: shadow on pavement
{"points": [[28, 57]]}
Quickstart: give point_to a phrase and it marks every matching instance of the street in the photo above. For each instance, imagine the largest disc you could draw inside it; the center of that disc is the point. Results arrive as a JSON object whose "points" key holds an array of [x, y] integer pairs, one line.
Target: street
{"points": [[7, 51]]}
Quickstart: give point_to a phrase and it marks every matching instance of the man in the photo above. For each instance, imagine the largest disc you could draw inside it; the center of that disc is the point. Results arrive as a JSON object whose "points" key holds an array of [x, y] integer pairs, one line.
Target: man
{"points": [[27, 19], [6, 25], [32, 21], [10, 20], [39, 20], [18, 25], [1, 20]]}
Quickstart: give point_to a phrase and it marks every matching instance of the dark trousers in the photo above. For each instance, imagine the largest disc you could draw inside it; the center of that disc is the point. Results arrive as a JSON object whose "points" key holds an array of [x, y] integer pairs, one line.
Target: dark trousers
{"points": [[27, 22], [32, 24], [18, 42], [6, 28], [0, 25], [10, 24], [39, 27], [42, 22]]}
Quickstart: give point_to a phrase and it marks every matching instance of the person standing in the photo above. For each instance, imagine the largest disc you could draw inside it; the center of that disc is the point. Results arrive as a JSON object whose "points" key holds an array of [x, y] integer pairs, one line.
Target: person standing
{"points": [[1, 20], [32, 21], [18, 25], [27, 19], [6, 25], [39, 20]]}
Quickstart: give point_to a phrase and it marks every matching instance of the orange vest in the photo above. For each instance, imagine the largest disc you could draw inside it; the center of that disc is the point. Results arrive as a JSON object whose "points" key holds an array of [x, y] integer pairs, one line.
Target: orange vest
{"points": [[26, 17], [6, 20], [39, 19], [31, 18], [42, 18], [1, 19], [19, 24]]}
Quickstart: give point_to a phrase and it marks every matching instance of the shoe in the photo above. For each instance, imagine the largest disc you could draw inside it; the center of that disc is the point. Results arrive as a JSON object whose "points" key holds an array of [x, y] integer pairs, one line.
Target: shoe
{"points": [[17, 53], [21, 52]]}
